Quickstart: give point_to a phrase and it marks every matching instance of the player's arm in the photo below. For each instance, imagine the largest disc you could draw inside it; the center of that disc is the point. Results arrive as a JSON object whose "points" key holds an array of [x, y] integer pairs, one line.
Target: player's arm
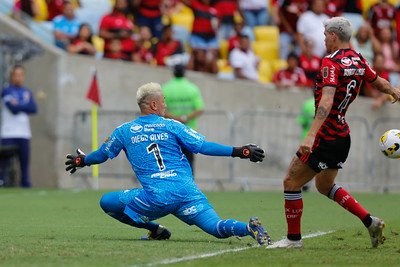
{"points": [[325, 106], [250, 151], [385, 87]]}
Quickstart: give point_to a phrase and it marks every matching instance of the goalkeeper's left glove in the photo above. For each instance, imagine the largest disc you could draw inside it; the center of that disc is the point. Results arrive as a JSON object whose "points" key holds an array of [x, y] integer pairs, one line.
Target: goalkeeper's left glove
{"points": [[75, 161], [249, 151]]}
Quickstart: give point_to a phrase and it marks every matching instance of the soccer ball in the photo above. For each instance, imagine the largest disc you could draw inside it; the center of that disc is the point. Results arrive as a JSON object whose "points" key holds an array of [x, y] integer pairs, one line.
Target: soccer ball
{"points": [[390, 144]]}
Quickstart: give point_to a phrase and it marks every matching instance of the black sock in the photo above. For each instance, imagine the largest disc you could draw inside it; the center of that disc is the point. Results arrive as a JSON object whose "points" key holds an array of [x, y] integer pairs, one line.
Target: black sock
{"points": [[367, 221]]}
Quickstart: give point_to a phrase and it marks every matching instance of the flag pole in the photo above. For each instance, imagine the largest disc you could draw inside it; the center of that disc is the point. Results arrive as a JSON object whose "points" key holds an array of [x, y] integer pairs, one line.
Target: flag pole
{"points": [[95, 167]]}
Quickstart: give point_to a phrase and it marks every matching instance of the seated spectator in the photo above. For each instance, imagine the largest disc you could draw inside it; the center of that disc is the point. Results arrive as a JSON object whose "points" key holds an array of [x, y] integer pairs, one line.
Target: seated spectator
{"points": [[167, 46], [145, 45], [240, 28], [381, 15], [370, 91], [291, 77], [289, 12], [255, 12], [148, 13], [117, 26], [203, 39], [227, 11], [66, 26], [311, 26], [309, 62], [82, 43], [366, 43], [390, 50], [55, 8], [23, 8], [243, 60], [115, 50]]}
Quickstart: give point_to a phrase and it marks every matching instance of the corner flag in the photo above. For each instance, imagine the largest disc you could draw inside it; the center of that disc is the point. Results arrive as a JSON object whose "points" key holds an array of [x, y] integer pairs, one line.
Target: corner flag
{"points": [[93, 93]]}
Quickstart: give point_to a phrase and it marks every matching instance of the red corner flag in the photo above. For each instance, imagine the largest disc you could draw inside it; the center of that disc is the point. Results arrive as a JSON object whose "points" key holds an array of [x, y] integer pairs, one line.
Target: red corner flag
{"points": [[93, 93]]}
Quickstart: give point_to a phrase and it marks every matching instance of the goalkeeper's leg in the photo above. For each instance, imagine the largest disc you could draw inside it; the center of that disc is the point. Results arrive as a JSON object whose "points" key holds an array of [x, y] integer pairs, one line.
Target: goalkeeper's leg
{"points": [[113, 206]]}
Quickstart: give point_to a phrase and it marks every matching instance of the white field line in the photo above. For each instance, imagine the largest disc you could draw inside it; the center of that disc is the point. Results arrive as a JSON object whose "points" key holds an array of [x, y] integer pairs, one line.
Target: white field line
{"points": [[213, 254]]}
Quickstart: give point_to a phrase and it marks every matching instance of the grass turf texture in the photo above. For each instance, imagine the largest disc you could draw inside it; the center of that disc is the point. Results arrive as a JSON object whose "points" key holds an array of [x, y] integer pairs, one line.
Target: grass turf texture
{"points": [[68, 228]]}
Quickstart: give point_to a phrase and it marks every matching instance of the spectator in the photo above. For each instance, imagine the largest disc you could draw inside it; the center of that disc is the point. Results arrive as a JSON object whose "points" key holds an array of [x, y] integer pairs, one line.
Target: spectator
{"points": [[25, 7], [117, 26], [55, 8], [390, 50], [18, 104], [149, 14], [381, 15], [379, 98], [66, 26], [243, 60], [144, 46], [366, 42], [184, 103], [167, 46], [227, 10], [309, 62], [310, 26], [240, 28], [115, 51], [82, 43], [292, 76], [203, 39], [289, 12], [255, 12]]}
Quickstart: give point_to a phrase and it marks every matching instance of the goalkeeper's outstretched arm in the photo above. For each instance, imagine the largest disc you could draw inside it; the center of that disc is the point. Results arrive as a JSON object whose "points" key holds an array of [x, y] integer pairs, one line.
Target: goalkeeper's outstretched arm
{"points": [[250, 151], [80, 160]]}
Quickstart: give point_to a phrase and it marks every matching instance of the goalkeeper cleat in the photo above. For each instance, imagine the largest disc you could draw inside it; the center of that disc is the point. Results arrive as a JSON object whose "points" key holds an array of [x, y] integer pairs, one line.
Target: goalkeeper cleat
{"points": [[162, 233], [376, 231], [287, 243], [257, 231]]}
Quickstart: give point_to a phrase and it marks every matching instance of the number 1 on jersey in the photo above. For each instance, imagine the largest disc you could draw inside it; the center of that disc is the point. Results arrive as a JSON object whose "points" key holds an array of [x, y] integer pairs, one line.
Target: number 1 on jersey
{"points": [[153, 148]]}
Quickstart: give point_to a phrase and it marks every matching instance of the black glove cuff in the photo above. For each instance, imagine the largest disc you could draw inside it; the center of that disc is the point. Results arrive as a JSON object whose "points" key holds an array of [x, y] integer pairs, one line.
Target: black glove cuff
{"points": [[241, 152]]}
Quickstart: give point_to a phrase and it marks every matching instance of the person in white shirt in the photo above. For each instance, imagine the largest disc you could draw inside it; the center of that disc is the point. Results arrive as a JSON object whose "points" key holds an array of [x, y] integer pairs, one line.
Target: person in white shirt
{"points": [[17, 104], [310, 27], [243, 60]]}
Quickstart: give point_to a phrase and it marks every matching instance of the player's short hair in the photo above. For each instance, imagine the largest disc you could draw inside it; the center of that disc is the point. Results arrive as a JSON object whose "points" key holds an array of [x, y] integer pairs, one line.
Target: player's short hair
{"points": [[147, 91], [340, 26]]}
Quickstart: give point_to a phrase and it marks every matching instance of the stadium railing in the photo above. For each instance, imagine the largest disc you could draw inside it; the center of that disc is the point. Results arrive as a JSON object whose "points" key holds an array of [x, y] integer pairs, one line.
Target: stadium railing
{"points": [[277, 132]]}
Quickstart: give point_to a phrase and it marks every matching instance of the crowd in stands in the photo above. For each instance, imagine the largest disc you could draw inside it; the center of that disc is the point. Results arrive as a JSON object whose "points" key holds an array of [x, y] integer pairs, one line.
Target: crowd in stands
{"points": [[280, 41]]}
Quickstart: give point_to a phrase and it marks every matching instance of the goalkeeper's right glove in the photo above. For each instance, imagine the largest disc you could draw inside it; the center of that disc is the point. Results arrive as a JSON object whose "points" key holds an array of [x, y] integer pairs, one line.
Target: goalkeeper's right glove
{"points": [[75, 161], [249, 151]]}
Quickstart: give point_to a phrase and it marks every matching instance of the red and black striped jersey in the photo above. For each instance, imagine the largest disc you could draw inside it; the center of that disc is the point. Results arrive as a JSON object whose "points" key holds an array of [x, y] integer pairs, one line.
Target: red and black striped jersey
{"points": [[345, 70]]}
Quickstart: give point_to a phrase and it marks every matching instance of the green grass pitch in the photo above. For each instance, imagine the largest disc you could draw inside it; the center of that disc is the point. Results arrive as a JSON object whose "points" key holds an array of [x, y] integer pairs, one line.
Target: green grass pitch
{"points": [[68, 228]]}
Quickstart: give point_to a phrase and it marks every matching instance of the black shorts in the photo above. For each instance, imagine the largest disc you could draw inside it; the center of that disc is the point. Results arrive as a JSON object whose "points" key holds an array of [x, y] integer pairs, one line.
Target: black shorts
{"points": [[327, 154]]}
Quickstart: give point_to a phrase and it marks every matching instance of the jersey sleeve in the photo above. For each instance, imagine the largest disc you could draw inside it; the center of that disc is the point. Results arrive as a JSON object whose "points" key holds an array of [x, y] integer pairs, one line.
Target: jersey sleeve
{"points": [[113, 145], [370, 73], [329, 72], [187, 137]]}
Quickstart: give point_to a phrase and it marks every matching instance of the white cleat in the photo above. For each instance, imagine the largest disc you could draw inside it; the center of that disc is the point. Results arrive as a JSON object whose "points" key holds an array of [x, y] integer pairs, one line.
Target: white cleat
{"points": [[287, 243], [376, 231]]}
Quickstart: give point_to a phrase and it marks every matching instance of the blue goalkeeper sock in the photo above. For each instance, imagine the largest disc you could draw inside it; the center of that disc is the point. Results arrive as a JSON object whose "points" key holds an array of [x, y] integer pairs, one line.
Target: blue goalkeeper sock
{"points": [[231, 227]]}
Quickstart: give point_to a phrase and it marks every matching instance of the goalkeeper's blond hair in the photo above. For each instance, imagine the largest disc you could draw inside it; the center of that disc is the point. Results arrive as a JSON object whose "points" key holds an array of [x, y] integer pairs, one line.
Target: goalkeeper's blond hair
{"points": [[147, 91]]}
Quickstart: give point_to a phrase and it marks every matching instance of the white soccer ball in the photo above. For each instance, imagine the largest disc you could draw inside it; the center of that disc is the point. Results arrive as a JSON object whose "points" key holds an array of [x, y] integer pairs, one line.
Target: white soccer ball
{"points": [[390, 144]]}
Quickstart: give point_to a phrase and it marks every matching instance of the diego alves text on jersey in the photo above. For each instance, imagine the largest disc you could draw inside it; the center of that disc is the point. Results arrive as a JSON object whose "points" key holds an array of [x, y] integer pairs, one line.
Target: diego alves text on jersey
{"points": [[152, 145], [345, 70]]}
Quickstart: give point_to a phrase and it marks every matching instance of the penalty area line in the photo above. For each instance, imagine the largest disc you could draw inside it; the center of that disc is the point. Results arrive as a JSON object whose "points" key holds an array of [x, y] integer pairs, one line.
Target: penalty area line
{"points": [[213, 254]]}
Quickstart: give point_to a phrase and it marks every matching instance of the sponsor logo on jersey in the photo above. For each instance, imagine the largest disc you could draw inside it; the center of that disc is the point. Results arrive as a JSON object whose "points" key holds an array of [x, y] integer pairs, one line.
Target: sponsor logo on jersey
{"points": [[192, 133], [325, 72], [166, 174], [150, 127], [351, 72], [109, 143], [136, 128], [332, 74]]}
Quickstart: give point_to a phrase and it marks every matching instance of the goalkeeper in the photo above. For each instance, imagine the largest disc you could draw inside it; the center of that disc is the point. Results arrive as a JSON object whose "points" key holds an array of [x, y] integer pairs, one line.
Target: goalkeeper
{"points": [[153, 145]]}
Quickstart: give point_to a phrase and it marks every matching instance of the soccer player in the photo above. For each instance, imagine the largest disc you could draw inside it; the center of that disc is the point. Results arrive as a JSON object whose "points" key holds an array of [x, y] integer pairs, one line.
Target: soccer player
{"points": [[327, 144], [153, 145]]}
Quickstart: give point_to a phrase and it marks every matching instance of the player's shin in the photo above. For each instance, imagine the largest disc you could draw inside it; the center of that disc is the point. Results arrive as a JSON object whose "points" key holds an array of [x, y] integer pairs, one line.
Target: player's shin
{"points": [[231, 227], [293, 212], [344, 199]]}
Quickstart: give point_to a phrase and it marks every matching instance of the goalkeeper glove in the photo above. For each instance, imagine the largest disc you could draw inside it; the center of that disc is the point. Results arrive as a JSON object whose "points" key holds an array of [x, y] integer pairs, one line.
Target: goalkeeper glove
{"points": [[75, 161], [249, 151]]}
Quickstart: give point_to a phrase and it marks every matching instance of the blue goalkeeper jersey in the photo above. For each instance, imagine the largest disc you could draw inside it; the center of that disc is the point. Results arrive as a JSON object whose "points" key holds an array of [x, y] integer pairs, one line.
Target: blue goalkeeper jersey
{"points": [[152, 145]]}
